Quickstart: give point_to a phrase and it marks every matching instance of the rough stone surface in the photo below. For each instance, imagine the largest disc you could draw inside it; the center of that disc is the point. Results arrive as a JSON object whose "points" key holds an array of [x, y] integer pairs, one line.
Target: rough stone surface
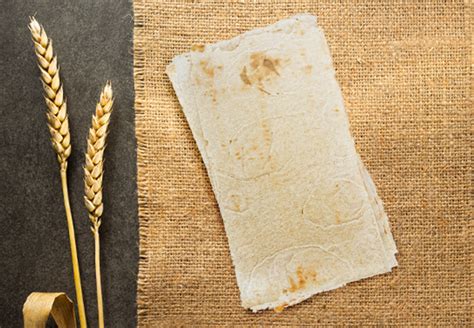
{"points": [[93, 40]]}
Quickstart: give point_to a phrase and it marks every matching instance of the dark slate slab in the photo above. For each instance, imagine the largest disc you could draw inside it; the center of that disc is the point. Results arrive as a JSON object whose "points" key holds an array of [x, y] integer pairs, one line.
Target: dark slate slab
{"points": [[93, 40]]}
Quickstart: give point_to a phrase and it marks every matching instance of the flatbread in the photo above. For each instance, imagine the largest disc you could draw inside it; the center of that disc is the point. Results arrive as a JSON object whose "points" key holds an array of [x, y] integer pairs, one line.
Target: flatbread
{"points": [[300, 211], [380, 216]]}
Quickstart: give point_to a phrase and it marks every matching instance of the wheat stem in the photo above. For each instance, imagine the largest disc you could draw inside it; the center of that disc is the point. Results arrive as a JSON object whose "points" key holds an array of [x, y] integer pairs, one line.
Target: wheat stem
{"points": [[98, 279], [72, 242], [58, 124], [93, 174]]}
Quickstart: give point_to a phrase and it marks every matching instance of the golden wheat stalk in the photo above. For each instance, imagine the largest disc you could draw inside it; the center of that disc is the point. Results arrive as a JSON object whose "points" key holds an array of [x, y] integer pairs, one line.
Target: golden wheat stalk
{"points": [[93, 174], [60, 137]]}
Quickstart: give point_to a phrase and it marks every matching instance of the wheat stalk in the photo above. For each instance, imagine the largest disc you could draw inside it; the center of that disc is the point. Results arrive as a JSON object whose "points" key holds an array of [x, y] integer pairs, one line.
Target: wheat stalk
{"points": [[60, 137], [93, 174]]}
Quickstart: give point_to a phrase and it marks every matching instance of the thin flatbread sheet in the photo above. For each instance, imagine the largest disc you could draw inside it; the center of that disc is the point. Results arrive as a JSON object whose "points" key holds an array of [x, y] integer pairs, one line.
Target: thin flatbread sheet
{"points": [[380, 216], [300, 212]]}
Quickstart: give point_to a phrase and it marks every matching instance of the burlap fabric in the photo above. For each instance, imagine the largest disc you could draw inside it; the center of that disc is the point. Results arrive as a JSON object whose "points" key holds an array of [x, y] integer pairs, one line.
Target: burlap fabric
{"points": [[404, 69]]}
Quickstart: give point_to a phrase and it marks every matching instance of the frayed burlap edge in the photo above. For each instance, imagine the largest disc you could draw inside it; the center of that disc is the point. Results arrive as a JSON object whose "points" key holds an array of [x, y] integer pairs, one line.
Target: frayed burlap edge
{"points": [[142, 174]]}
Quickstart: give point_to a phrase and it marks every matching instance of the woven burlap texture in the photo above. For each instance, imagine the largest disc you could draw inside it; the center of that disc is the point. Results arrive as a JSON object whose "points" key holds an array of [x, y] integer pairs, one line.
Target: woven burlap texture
{"points": [[405, 73]]}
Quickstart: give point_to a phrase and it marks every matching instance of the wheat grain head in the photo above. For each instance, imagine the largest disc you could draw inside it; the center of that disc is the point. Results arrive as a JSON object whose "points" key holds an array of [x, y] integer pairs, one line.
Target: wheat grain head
{"points": [[94, 166], [58, 122]]}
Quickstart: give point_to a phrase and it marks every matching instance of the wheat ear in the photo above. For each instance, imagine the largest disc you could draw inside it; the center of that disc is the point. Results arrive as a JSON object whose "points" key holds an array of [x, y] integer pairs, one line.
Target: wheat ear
{"points": [[60, 137], [93, 174]]}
